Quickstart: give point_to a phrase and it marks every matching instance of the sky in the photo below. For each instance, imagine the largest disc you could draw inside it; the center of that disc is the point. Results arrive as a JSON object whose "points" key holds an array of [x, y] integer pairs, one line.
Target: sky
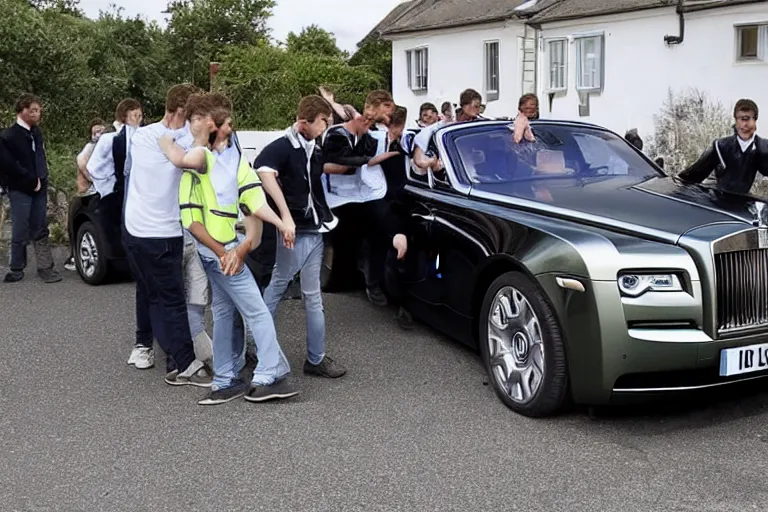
{"points": [[349, 20]]}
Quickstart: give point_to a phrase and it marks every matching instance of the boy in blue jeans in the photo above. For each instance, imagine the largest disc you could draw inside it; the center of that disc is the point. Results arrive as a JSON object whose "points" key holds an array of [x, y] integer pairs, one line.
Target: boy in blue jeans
{"points": [[209, 204]]}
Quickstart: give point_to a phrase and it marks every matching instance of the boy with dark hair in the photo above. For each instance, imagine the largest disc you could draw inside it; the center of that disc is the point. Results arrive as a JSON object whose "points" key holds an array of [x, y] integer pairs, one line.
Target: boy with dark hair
{"points": [[24, 165], [109, 164], [210, 201], [735, 159], [395, 167], [291, 170], [356, 186], [427, 115], [152, 233], [470, 102]]}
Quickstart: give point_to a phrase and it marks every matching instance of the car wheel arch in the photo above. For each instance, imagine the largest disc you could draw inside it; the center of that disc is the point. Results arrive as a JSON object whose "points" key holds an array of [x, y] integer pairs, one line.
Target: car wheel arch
{"points": [[494, 267]]}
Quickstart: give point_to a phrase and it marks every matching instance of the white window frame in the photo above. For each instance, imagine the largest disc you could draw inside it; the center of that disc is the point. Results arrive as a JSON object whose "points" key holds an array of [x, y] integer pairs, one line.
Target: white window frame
{"points": [[598, 82], [551, 86], [490, 74], [762, 41], [417, 62]]}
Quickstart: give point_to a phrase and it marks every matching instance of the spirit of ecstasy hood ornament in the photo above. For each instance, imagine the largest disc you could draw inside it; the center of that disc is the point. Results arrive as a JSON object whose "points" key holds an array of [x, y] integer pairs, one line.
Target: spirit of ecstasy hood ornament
{"points": [[760, 210]]}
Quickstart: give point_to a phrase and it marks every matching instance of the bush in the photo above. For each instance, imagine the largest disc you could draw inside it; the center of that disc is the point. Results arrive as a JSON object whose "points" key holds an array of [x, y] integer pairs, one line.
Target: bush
{"points": [[686, 125], [265, 83]]}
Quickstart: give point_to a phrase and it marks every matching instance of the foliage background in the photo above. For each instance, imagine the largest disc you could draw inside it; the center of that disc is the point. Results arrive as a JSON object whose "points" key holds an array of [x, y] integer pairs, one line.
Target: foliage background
{"points": [[81, 68]]}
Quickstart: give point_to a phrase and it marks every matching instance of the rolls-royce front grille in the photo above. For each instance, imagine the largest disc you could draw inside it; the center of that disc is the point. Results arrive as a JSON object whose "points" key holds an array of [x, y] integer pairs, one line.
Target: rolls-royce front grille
{"points": [[742, 289]]}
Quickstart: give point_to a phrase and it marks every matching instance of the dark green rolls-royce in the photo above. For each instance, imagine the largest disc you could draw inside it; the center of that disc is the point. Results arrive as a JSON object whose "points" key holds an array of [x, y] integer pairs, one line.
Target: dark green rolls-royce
{"points": [[580, 270]]}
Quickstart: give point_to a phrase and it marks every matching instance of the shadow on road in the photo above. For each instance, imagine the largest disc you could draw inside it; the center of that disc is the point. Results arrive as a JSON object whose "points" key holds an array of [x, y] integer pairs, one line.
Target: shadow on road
{"points": [[690, 411]]}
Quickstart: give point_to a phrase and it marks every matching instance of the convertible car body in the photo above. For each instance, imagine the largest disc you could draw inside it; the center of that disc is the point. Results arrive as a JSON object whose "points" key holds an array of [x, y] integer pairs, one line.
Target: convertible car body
{"points": [[581, 271]]}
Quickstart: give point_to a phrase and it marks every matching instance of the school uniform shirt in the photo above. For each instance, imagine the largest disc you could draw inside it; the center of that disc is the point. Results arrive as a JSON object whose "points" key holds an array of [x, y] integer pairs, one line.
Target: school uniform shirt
{"points": [[363, 184], [734, 161], [298, 166], [152, 207]]}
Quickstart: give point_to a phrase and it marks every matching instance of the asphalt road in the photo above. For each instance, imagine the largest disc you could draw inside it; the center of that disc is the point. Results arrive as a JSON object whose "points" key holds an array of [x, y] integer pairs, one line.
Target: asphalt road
{"points": [[412, 427]]}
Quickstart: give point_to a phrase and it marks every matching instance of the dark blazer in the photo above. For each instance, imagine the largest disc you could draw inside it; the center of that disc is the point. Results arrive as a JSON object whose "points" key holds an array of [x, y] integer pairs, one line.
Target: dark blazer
{"points": [[22, 158], [118, 157], [734, 169]]}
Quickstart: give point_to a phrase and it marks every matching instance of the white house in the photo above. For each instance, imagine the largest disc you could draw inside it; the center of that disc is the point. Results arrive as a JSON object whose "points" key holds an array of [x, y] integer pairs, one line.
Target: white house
{"points": [[609, 62], [441, 47]]}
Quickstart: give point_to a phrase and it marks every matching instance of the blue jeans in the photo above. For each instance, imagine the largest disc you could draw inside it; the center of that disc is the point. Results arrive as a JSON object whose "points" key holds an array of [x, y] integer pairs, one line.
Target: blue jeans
{"points": [[28, 224], [156, 266], [307, 257], [240, 293]]}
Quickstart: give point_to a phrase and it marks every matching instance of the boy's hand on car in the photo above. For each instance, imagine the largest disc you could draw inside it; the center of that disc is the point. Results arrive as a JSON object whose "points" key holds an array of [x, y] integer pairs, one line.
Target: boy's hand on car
{"points": [[400, 242]]}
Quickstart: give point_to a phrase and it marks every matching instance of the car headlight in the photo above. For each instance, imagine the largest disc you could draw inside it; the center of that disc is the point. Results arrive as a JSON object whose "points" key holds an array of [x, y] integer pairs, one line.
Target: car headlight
{"points": [[637, 284]]}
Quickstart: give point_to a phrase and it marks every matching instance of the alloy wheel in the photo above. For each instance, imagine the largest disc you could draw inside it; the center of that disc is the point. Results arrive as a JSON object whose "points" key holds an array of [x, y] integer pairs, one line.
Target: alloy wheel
{"points": [[89, 255], [515, 345]]}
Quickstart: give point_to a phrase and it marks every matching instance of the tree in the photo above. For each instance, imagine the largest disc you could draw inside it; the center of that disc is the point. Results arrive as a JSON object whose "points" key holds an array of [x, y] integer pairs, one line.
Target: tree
{"points": [[70, 7], [314, 40], [375, 53], [199, 31], [687, 123], [265, 83]]}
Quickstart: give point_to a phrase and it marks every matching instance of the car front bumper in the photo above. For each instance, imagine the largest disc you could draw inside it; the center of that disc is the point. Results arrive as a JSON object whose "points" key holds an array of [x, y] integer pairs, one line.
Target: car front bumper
{"points": [[618, 348]]}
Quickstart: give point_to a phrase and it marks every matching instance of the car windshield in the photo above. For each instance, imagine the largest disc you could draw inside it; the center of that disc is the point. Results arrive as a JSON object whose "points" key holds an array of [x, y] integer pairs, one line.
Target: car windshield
{"points": [[489, 154]]}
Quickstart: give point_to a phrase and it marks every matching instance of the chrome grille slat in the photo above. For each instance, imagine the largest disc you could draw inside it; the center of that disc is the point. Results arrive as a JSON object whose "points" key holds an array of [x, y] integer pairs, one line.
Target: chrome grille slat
{"points": [[742, 289]]}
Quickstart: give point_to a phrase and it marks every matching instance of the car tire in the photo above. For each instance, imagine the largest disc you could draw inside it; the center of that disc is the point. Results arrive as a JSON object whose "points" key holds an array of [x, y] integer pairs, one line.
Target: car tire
{"points": [[522, 347], [89, 254]]}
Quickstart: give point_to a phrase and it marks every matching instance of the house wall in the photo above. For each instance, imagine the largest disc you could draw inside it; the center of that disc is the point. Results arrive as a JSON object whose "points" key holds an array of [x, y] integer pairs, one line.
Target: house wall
{"points": [[456, 62], [640, 68]]}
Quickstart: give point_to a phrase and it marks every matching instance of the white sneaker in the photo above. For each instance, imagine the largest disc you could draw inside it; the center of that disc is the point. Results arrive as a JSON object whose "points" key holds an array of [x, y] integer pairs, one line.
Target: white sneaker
{"points": [[142, 357], [145, 359]]}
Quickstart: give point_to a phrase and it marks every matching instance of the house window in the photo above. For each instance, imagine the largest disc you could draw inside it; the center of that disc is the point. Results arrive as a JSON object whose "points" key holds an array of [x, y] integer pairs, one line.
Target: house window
{"points": [[752, 42], [417, 61], [558, 64], [492, 70], [589, 63]]}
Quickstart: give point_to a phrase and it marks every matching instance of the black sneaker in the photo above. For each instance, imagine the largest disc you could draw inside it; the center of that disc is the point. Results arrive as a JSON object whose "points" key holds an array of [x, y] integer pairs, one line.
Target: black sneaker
{"points": [[14, 276], [405, 320], [195, 375], [221, 396], [279, 389], [376, 296], [327, 368], [49, 275]]}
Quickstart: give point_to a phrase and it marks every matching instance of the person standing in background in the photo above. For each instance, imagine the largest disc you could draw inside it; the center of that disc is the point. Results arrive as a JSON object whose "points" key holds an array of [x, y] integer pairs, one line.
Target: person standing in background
{"points": [[25, 166]]}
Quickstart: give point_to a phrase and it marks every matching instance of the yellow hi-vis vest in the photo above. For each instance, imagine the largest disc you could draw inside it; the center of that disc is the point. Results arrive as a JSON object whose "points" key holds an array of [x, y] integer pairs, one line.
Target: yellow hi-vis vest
{"points": [[199, 202]]}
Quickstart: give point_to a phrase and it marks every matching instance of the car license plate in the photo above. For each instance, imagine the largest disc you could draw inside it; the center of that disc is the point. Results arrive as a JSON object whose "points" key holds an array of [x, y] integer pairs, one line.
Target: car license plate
{"points": [[738, 360]]}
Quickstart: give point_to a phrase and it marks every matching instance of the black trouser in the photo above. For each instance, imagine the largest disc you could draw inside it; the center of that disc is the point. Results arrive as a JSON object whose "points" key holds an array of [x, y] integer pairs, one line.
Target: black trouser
{"points": [[156, 265], [371, 223], [261, 261], [29, 223]]}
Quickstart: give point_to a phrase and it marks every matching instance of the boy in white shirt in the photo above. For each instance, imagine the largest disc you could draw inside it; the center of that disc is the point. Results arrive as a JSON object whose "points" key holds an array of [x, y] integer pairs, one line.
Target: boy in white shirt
{"points": [[152, 233]]}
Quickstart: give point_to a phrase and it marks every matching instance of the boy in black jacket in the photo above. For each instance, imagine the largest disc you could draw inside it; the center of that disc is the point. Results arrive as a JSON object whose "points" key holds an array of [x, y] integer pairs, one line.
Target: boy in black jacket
{"points": [[290, 169], [25, 168], [736, 159]]}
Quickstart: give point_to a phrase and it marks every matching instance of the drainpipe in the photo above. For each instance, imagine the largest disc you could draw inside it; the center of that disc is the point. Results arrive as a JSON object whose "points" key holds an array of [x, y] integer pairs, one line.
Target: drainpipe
{"points": [[681, 15]]}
